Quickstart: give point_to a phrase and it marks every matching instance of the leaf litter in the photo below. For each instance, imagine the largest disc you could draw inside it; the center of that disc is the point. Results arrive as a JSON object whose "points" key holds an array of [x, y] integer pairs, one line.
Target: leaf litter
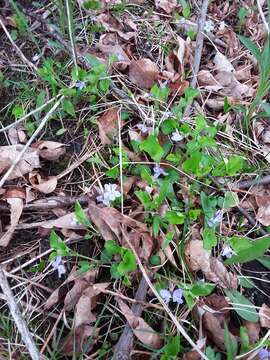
{"points": [[129, 90]]}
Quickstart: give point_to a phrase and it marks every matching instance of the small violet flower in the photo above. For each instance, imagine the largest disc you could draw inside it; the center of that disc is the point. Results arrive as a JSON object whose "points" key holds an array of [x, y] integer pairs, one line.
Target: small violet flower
{"points": [[175, 296], [142, 127], [110, 194], [176, 136], [158, 171], [264, 354], [80, 84], [216, 219], [57, 265], [227, 252], [208, 26]]}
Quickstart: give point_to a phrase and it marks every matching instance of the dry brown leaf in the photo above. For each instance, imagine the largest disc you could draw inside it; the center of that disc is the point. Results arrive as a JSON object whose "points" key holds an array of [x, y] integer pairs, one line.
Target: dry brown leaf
{"points": [[166, 5], [200, 259], [108, 125], [29, 161], [86, 302], [15, 198], [222, 63], [208, 81], [193, 354], [264, 315], [253, 330], [16, 135], [80, 341], [49, 150], [143, 73], [215, 327], [67, 221], [112, 24], [110, 223], [140, 328], [263, 215], [45, 185]]}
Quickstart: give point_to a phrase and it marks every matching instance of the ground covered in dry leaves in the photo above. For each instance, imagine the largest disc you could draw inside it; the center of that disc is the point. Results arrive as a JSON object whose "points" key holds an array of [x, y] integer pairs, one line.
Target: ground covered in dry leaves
{"points": [[134, 189]]}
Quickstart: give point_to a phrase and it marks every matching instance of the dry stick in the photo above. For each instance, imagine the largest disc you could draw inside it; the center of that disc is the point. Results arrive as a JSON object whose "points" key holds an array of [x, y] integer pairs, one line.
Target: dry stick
{"points": [[262, 16], [165, 306], [199, 43], [17, 317], [20, 53], [29, 142], [125, 343], [245, 184]]}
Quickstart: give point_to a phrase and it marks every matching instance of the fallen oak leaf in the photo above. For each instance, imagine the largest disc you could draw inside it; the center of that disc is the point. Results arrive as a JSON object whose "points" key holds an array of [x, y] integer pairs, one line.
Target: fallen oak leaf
{"points": [[49, 150], [81, 340], [143, 73], [108, 125], [45, 185], [28, 162], [264, 314], [166, 5], [140, 328], [15, 199]]}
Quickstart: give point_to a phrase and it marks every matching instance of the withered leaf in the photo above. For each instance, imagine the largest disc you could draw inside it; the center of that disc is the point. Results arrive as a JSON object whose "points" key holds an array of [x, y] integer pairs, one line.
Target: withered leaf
{"points": [[264, 315], [108, 125], [45, 185], [143, 73], [166, 5], [81, 340], [263, 215], [253, 330], [49, 150], [140, 328], [29, 161]]}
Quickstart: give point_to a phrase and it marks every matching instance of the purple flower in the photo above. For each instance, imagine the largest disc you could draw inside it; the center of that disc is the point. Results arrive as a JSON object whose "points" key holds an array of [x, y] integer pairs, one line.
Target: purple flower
{"points": [[176, 136], [227, 252], [158, 171], [175, 296], [264, 354], [110, 194], [80, 84], [216, 219], [142, 127], [57, 265]]}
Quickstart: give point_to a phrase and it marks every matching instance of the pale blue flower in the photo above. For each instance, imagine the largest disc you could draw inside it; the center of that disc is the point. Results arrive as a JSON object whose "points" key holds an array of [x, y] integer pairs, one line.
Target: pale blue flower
{"points": [[216, 219], [264, 354], [142, 127], [227, 252], [208, 26], [158, 171], [176, 136], [110, 194], [59, 266], [80, 84], [175, 296]]}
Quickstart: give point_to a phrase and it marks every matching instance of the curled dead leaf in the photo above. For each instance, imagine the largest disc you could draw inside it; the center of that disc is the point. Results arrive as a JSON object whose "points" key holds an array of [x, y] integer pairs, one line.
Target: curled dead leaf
{"points": [[67, 221], [108, 125], [264, 315], [29, 161], [45, 185], [253, 330], [200, 259], [140, 328], [143, 73], [263, 215], [79, 341], [49, 150], [166, 5], [193, 354]]}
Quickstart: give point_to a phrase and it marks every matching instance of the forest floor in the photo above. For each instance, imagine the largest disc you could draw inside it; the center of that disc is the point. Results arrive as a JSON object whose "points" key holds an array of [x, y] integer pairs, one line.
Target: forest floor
{"points": [[134, 188]]}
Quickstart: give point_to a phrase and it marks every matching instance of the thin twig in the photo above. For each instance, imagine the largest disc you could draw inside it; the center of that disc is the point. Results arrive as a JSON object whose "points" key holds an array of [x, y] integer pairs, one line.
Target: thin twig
{"points": [[71, 36], [29, 142], [199, 43], [18, 50], [262, 16], [17, 317], [245, 184]]}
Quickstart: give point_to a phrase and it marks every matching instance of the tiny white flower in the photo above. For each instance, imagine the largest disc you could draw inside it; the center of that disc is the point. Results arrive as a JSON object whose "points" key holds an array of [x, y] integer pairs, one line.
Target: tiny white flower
{"points": [[80, 85], [216, 219], [149, 189], [208, 26], [158, 171], [176, 136], [120, 57], [110, 194], [167, 114], [57, 265], [142, 127], [74, 222], [227, 252]]}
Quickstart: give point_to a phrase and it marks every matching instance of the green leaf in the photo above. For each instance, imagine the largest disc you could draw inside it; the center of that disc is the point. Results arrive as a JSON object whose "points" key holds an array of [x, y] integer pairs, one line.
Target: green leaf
{"points": [[244, 339], [128, 263], [174, 157], [242, 306], [152, 147], [246, 282], [230, 344], [80, 215], [112, 248], [104, 85], [172, 348], [265, 261], [230, 200], [209, 238], [209, 204], [68, 107], [175, 217], [57, 244], [234, 165], [209, 352], [144, 198], [201, 288], [92, 60], [251, 46], [168, 126], [156, 225], [257, 249], [239, 243], [155, 260]]}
